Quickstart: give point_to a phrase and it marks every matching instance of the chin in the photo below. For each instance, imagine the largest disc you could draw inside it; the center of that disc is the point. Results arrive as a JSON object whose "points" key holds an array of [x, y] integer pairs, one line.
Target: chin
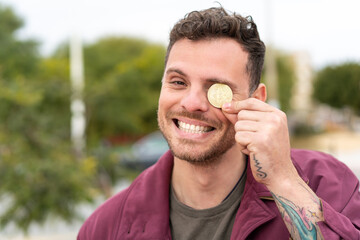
{"points": [[196, 151], [206, 157]]}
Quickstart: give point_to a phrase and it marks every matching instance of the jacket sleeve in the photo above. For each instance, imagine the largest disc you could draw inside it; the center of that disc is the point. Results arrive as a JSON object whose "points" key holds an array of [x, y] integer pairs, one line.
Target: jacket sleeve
{"points": [[344, 222]]}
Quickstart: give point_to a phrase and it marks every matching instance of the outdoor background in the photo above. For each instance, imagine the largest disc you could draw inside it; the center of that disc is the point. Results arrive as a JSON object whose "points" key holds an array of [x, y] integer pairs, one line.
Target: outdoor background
{"points": [[53, 174]]}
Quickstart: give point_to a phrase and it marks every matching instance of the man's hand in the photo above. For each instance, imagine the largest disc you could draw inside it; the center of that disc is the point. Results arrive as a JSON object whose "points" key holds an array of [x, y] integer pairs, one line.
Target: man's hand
{"points": [[262, 132]]}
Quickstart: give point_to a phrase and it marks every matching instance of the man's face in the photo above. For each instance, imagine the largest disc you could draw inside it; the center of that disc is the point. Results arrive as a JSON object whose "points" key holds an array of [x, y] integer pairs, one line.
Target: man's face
{"points": [[195, 130]]}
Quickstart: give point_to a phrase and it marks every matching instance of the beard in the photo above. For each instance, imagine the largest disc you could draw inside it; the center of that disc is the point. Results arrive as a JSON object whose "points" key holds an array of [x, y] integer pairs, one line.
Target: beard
{"points": [[189, 150]]}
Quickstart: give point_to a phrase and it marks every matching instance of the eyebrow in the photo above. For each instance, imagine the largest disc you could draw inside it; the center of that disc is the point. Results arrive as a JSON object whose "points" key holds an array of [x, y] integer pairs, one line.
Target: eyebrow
{"points": [[176, 70]]}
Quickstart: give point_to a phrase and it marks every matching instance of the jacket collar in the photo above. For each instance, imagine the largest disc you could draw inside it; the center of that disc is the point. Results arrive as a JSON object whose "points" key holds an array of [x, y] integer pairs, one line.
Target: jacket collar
{"points": [[252, 211], [146, 209]]}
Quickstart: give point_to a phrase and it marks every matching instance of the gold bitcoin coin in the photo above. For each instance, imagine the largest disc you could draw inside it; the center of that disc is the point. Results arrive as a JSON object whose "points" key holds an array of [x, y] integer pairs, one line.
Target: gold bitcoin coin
{"points": [[218, 94]]}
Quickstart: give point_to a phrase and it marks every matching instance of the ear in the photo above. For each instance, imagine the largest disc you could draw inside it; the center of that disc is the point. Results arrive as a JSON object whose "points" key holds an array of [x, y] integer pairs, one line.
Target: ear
{"points": [[260, 92]]}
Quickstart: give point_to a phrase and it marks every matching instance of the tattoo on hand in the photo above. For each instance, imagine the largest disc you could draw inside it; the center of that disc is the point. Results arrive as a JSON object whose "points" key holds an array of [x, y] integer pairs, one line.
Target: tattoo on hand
{"points": [[259, 173]]}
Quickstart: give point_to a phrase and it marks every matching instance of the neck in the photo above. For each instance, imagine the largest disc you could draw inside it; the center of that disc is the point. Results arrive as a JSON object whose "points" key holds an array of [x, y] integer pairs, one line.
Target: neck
{"points": [[206, 186]]}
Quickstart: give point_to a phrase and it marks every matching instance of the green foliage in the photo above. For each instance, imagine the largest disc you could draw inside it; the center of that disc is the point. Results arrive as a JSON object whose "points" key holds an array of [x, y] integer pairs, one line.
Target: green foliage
{"points": [[38, 187], [123, 85], [38, 173], [9, 21], [339, 86], [286, 79], [16, 57]]}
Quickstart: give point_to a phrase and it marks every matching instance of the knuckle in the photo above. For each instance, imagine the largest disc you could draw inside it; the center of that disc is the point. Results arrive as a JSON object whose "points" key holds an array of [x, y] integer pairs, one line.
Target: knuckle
{"points": [[237, 105], [278, 118], [282, 115], [241, 115], [237, 126], [267, 138], [238, 137], [251, 102]]}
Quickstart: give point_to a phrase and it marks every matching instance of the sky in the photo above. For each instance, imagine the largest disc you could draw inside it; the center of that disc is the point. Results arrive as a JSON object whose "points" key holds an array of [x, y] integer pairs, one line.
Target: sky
{"points": [[328, 30]]}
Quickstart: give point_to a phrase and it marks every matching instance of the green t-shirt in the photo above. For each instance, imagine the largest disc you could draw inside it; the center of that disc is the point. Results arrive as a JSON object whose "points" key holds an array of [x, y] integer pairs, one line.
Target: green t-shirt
{"points": [[208, 224]]}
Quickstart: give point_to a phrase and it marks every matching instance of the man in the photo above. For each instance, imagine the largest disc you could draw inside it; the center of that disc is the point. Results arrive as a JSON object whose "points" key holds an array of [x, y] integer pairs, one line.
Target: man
{"points": [[231, 173]]}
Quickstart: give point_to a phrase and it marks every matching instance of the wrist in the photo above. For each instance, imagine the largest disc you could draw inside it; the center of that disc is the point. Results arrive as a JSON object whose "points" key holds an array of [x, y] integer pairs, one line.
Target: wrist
{"points": [[285, 184]]}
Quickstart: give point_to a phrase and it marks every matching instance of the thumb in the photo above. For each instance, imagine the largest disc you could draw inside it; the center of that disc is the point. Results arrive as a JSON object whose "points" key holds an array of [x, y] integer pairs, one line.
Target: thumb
{"points": [[229, 112]]}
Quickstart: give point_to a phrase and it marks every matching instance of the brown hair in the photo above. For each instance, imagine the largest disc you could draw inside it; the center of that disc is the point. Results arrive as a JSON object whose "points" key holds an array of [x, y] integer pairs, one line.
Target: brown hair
{"points": [[217, 23]]}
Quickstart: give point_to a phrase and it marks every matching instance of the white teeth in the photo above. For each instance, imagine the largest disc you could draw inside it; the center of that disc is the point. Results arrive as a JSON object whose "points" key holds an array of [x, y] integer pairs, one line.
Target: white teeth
{"points": [[189, 128]]}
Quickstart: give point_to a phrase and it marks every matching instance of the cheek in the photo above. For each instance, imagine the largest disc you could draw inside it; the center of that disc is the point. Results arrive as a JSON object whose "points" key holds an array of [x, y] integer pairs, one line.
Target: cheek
{"points": [[230, 118], [167, 102], [225, 119], [241, 95], [169, 98], [163, 98]]}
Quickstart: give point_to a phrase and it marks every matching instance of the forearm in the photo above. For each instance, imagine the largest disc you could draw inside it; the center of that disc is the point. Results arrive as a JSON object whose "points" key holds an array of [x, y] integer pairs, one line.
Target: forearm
{"points": [[300, 209]]}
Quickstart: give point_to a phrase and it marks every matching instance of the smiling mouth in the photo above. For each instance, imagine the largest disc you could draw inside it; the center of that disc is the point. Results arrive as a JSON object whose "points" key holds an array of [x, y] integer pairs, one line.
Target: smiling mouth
{"points": [[190, 128]]}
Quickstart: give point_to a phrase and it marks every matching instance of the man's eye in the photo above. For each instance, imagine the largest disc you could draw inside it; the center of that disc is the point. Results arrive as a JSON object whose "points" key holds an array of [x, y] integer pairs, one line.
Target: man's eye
{"points": [[178, 83]]}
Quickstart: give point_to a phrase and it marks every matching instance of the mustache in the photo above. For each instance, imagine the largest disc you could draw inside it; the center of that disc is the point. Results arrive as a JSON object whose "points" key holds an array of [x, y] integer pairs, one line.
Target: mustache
{"points": [[194, 115]]}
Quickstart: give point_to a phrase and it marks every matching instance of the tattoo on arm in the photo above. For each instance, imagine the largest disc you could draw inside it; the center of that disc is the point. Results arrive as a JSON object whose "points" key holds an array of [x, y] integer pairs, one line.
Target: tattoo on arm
{"points": [[298, 222], [259, 173], [315, 199]]}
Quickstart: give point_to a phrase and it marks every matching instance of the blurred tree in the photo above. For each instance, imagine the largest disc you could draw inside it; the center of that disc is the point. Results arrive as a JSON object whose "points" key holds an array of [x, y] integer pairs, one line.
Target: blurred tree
{"points": [[286, 79], [16, 56], [339, 86], [122, 86], [38, 174], [123, 77]]}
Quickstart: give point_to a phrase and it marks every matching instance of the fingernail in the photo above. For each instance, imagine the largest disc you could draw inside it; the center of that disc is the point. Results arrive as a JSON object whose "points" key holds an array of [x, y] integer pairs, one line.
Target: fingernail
{"points": [[226, 106]]}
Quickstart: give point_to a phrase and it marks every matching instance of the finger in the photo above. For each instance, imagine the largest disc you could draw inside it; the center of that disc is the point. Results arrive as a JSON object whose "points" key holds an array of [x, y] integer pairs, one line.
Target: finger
{"points": [[243, 143], [232, 117], [245, 151], [231, 111], [244, 125], [247, 104], [244, 138], [251, 115]]}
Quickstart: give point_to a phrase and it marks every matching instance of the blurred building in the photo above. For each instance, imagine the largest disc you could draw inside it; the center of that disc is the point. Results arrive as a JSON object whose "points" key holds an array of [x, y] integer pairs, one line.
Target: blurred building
{"points": [[306, 111], [301, 101]]}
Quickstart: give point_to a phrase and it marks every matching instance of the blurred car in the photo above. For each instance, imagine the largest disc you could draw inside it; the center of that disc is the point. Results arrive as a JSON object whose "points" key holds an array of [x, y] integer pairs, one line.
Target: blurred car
{"points": [[145, 152]]}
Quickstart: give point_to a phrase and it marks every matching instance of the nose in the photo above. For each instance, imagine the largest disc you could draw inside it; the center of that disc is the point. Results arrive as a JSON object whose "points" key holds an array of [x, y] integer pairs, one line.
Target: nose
{"points": [[195, 100]]}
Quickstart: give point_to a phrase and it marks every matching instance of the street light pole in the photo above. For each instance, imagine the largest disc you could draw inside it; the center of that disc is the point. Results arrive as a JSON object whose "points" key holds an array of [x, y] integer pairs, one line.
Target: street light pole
{"points": [[78, 122]]}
